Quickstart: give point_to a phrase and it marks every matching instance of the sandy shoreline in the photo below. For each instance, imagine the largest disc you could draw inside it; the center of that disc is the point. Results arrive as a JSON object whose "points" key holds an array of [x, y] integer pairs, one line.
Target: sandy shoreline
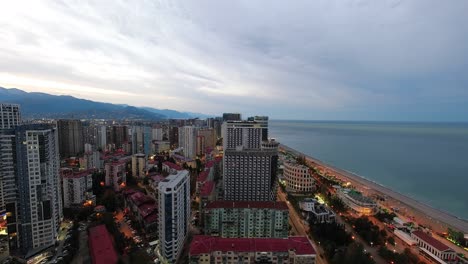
{"points": [[437, 219]]}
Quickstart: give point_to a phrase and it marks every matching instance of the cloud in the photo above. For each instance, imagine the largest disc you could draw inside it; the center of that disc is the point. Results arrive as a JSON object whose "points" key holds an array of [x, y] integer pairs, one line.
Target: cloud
{"points": [[307, 60]]}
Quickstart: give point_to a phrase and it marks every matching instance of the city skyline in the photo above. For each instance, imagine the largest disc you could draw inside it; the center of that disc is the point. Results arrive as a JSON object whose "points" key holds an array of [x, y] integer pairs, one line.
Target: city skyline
{"points": [[349, 60]]}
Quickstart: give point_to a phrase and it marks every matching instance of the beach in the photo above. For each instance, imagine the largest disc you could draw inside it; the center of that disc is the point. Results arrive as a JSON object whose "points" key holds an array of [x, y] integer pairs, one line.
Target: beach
{"points": [[435, 219]]}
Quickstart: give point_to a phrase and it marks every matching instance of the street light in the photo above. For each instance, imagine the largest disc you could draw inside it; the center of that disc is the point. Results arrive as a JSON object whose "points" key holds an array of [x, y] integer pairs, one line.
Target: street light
{"points": [[371, 244]]}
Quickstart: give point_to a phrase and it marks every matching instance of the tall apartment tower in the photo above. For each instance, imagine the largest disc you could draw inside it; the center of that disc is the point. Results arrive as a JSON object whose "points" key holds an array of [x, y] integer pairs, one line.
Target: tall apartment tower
{"points": [[10, 115], [70, 135], [101, 141], [174, 215], [249, 163], [33, 219], [188, 140]]}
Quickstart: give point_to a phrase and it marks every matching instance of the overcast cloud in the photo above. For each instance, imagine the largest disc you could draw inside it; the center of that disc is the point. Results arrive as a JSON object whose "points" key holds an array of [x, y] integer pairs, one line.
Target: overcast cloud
{"points": [[368, 60]]}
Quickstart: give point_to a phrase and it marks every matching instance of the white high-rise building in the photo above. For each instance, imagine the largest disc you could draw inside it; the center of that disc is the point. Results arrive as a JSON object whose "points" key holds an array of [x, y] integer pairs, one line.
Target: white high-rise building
{"points": [[102, 137], [249, 163], [10, 115], [174, 215], [188, 140], [77, 187], [157, 133], [33, 219]]}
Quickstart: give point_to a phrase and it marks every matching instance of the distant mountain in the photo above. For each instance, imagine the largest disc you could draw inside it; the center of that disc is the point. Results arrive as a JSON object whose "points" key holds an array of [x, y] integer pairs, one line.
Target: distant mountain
{"points": [[176, 114], [37, 105]]}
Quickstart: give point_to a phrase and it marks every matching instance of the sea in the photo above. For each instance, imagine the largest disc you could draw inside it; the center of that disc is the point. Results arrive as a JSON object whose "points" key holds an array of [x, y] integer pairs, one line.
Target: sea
{"points": [[425, 161]]}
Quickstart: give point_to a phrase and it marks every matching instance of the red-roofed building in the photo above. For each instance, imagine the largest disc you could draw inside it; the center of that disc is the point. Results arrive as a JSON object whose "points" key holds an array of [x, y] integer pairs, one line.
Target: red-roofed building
{"points": [[210, 249], [116, 172], [143, 207], [233, 219], [101, 248], [170, 167], [433, 248]]}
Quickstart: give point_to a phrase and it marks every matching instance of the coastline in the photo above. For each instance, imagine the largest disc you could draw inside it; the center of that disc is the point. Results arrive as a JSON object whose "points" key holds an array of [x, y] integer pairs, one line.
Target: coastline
{"points": [[437, 219]]}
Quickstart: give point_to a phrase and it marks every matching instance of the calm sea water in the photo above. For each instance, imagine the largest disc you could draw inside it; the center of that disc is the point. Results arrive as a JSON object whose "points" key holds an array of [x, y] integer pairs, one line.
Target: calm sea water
{"points": [[426, 161]]}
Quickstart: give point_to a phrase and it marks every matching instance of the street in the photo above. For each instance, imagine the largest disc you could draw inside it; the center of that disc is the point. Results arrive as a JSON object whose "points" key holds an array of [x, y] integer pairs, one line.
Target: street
{"points": [[299, 228]]}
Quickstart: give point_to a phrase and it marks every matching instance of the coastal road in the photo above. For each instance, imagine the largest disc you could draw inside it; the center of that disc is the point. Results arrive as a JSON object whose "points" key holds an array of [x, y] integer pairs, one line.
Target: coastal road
{"points": [[299, 228]]}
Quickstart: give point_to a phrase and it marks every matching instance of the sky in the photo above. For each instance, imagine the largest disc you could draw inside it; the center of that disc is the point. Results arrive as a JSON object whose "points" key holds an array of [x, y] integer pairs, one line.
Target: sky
{"points": [[313, 60]]}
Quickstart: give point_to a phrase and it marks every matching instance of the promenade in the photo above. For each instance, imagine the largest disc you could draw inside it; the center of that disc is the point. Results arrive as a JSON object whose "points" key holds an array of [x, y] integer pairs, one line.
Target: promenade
{"points": [[436, 219]]}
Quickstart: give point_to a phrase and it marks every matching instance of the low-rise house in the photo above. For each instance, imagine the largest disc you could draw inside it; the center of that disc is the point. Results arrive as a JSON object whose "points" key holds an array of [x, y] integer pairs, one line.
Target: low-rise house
{"points": [[316, 212]]}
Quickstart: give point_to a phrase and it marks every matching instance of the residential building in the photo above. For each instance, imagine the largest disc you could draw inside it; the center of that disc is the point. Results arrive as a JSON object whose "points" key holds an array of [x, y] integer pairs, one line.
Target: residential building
{"points": [[249, 163], [174, 136], [160, 146], [298, 178], [77, 187], [101, 140], [171, 168], [139, 165], [10, 115], [143, 207], [116, 172], [188, 140], [246, 219], [316, 212], [117, 136], [209, 137], [357, 202], [101, 248], [70, 136], [201, 146], [433, 249], [8, 185], [174, 215], [217, 250], [157, 133], [33, 219]]}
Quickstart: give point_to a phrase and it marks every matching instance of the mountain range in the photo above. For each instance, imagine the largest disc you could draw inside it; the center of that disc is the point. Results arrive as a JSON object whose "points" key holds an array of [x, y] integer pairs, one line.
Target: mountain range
{"points": [[43, 105]]}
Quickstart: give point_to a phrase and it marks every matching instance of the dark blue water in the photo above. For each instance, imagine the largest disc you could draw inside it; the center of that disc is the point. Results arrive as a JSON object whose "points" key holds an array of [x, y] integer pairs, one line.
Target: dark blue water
{"points": [[426, 161]]}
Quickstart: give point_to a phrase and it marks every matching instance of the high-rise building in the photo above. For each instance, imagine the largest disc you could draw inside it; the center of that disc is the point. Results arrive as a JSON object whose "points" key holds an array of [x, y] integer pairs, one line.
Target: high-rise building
{"points": [[201, 146], [7, 167], [246, 219], [174, 136], [231, 117], [77, 187], [70, 136], [139, 165], [174, 215], [10, 115], [188, 140], [264, 121], [249, 163], [118, 136], [157, 133], [101, 141], [33, 220], [209, 137]]}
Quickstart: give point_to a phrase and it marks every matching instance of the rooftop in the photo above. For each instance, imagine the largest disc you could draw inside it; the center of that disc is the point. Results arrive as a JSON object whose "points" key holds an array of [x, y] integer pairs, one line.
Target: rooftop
{"points": [[431, 241], [247, 204], [172, 165], [139, 198], [203, 176], [207, 188], [206, 244], [100, 245]]}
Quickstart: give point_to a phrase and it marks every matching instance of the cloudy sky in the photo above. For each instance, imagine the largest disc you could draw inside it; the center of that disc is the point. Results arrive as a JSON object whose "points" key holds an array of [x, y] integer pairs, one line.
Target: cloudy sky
{"points": [[346, 60]]}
